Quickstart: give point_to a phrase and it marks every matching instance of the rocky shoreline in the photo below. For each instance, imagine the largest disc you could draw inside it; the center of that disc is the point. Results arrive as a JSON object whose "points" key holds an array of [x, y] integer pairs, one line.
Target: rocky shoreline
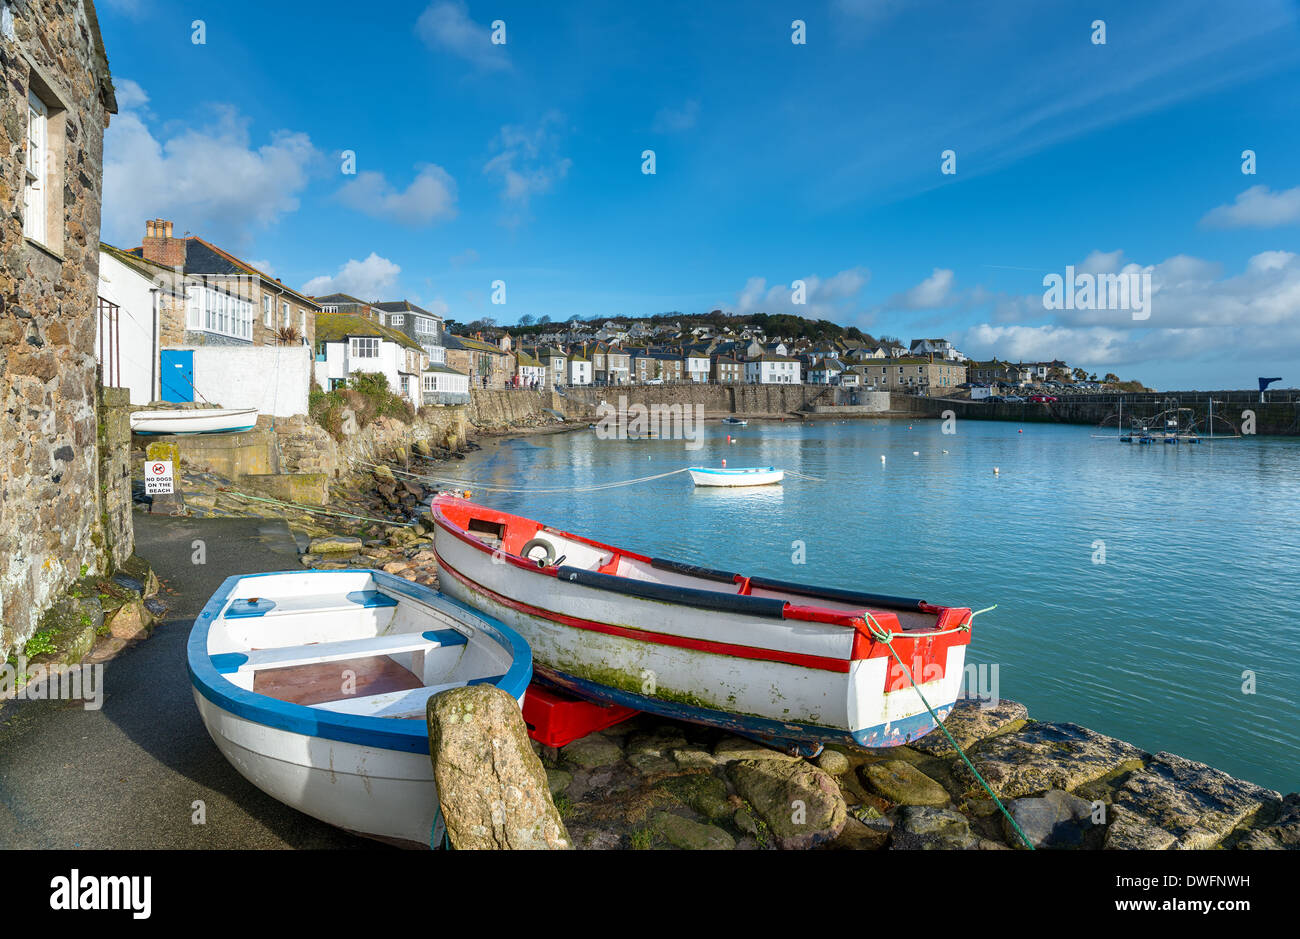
{"points": [[655, 783]]}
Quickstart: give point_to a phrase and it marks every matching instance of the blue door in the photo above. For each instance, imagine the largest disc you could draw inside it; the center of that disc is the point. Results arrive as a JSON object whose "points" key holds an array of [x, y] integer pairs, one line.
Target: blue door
{"points": [[177, 374]]}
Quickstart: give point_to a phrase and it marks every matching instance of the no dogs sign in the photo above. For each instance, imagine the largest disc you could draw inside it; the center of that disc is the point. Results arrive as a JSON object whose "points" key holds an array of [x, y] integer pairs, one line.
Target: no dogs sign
{"points": [[158, 479]]}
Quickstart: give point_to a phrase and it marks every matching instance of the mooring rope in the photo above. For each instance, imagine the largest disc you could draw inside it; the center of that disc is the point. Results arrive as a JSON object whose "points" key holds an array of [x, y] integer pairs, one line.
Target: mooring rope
{"points": [[488, 487], [316, 511], [880, 634]]}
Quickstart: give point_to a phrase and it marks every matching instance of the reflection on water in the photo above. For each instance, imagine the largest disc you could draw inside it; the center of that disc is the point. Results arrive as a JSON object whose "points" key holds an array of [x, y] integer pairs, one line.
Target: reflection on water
{"points": [[1135, 585]]}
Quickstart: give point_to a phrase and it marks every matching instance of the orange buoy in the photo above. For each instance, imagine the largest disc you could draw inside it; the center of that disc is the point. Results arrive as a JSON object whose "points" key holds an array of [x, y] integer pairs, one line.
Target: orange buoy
{"points": [[724, 464]]}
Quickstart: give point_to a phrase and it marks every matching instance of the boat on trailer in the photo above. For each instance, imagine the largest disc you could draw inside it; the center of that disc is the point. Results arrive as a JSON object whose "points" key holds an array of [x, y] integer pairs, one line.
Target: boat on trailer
{"points": [[313, 684], [792, 665], [740, 476], [194, 421]]}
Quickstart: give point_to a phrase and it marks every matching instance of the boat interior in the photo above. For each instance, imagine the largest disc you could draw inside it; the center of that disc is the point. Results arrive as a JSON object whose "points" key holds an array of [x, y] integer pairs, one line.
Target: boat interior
{"points": [[533, 541], [338, 641]]}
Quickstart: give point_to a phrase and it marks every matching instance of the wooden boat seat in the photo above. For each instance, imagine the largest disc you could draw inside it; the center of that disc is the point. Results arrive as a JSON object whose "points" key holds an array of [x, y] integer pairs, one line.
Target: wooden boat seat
{"points": [[329, 603], [397, 704], [230, 663]]}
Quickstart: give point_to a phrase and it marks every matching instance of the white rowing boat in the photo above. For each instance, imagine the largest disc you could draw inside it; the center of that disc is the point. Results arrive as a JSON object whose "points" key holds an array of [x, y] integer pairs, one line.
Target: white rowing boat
{"points": [[194, 421], [791, 664], [741, 476], [313, 684]]}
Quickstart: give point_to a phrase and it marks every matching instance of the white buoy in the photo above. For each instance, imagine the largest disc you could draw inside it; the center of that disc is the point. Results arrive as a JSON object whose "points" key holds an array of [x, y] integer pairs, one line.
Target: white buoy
{"points": [[995, 471], [916, 453], [882, 458], [945, 451]]}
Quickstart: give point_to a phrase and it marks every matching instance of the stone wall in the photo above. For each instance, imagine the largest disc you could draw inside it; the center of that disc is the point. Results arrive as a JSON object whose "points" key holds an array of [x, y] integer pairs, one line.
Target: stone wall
{"points": [[1279, 415], [49, 516], [718, 400], [502, 409], [115, 474]]}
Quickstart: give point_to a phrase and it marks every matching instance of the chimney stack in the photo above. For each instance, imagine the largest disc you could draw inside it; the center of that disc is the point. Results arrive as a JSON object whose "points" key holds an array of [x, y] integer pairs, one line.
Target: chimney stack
{"points": [[160, 247]]}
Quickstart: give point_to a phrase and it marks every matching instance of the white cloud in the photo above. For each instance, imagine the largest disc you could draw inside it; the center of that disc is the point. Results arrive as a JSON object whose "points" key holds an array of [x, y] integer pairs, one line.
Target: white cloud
{"points": [[369, 280], [528, 163], [431, 196], [1257, 207], [210, 180], [676, 120], [819, 294], [129, 94], [929, 293], [447, 27]]}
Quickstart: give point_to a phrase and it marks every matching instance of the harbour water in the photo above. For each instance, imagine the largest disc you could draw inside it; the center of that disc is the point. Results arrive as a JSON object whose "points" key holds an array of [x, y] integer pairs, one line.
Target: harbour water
{"points": [[1140, 590]]}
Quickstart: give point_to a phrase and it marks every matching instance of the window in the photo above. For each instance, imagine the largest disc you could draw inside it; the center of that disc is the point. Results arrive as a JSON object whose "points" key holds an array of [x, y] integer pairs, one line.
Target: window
{"points": [[35, 208], [284, 311], [365, 348], [267, 311], [396, 319], [302, 325], [212, 311]]}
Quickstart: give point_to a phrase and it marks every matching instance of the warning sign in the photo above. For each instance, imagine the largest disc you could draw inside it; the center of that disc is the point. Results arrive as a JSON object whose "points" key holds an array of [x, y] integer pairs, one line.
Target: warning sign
{"points": [[158, 479]]}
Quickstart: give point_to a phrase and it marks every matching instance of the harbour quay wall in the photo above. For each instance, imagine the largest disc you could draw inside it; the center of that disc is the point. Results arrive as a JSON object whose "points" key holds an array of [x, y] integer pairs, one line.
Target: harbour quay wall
{"points": [[580, 403], [500, 409], [1279, 415]]}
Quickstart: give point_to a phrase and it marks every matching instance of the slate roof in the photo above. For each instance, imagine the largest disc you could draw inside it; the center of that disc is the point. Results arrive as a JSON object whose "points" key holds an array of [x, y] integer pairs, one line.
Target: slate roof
{"points": [[338, 327]]}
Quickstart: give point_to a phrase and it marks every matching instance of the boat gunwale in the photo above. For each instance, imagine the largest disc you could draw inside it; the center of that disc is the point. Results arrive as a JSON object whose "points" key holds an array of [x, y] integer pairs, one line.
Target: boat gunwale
{"points": [[864, 646], [383, 733]]}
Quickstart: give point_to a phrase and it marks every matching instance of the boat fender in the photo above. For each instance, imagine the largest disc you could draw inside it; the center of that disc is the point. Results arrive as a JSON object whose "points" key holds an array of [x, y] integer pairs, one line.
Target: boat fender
{"points": [[546, 561]]}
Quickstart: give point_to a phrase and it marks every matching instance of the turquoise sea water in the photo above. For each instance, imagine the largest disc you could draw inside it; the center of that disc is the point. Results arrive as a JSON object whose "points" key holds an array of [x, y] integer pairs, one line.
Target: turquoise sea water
{"points": [[1200, 580]]}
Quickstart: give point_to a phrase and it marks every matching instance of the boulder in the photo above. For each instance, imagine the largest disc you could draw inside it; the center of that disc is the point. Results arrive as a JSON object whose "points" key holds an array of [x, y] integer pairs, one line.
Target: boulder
{"points": [[592, 751], [1055, 819], [383, 474], [334, 544], [492, 788], [801, 804], [704, 793], [1046, 756], [129, 621], [692, 836], [1173, 802], [971, 722], [902, 783], [834, 762], [730, 749], [926, 828]]}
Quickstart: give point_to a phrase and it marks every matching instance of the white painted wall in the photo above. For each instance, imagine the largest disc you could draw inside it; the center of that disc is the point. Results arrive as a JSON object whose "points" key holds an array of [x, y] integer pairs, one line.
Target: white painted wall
{"points": [[137, 323], [273, 379]]}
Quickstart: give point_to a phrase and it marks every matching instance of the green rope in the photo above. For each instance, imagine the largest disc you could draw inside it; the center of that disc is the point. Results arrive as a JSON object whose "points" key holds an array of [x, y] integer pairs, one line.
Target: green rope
{"points": [[880, 634], [308, 508]]}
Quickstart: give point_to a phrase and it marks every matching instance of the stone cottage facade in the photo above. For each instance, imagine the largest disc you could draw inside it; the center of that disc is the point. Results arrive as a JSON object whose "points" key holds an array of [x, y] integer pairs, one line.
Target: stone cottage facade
{"points": [[55, 102]]}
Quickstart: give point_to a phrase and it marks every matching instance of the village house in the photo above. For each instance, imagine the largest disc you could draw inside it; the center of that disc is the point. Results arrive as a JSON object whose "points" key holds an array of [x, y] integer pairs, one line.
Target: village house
{"points": [[442, 385], [939, 348], [229, 302], [132, 295], [487, 365], [696, 364], [772, 369], [618, 366], [345, 303], [727, 370], [419, 324], [348, 346], [529, 371], [825, 372], [557, 369], [915, 375], [55, 507], [579, 368]]}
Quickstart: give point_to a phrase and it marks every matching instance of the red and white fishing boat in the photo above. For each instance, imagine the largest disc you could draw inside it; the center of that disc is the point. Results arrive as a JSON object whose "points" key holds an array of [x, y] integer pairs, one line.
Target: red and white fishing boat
{"points": [[794, 665]]}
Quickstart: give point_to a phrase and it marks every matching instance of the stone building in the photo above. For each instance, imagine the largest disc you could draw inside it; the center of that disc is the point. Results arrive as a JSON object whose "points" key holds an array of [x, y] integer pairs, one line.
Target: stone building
{"points": [[229, 302], [57, 98]]}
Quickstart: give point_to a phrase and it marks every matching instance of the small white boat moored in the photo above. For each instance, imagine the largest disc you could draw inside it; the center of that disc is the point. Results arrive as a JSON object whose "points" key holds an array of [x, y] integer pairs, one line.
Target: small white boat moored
{"points": [[741, 476], [313, 684], [194, 421]]}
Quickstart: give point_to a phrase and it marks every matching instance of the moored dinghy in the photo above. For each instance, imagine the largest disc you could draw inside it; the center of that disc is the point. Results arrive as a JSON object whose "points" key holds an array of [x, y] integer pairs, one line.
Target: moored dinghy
{"points": [[794, 665], [303, 679], [740, 476], [194, 421]]}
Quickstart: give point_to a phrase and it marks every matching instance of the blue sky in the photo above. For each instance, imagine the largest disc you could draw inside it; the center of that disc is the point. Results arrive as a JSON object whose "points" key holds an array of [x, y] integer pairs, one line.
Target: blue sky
{"points": [[775, 162]]}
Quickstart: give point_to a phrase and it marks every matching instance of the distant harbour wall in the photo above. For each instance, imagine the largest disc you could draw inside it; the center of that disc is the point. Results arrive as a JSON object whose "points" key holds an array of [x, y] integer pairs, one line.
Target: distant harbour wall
{"points": [[1279, 415], [580, 403]]}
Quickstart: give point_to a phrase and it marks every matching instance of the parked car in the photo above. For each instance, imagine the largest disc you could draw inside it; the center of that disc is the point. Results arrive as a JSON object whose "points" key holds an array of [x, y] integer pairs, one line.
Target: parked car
{"points": [[1043, 399], [1014, 399]]}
